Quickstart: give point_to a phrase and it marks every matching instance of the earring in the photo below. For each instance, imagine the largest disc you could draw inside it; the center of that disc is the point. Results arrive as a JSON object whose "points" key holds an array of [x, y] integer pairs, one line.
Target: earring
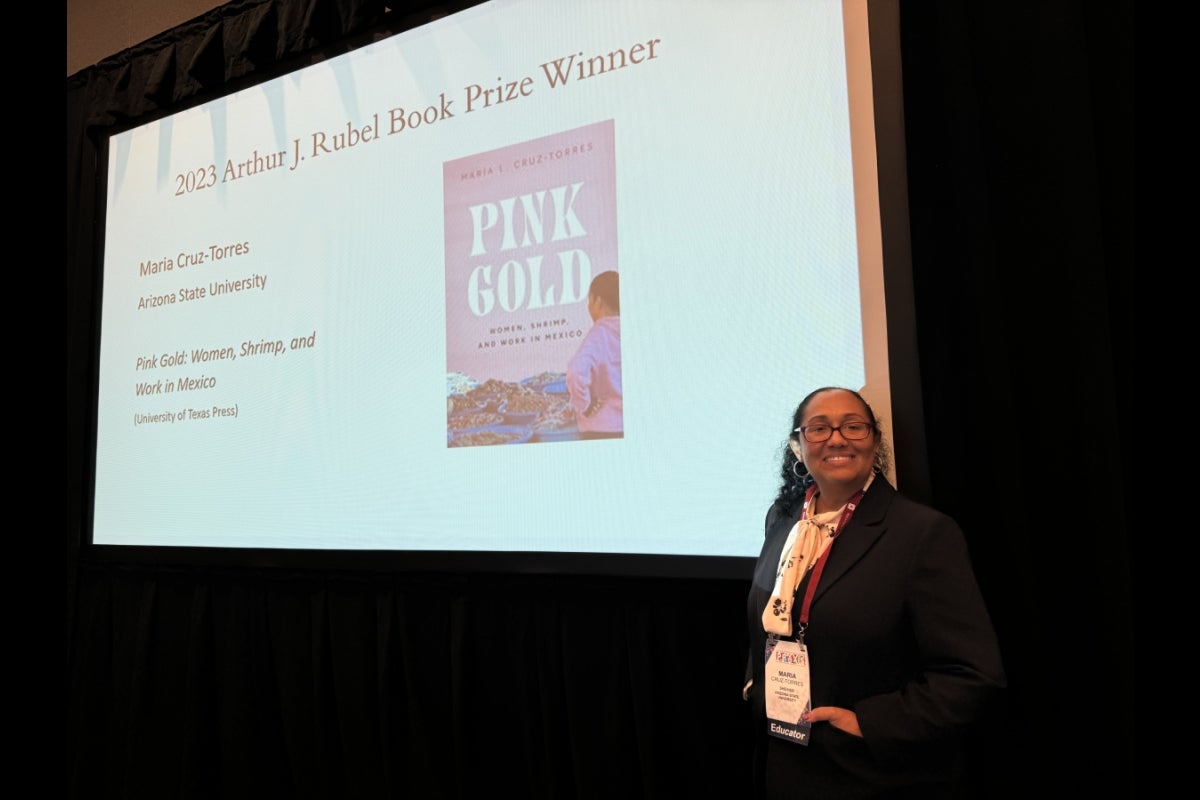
{"points": [[799, 470]]}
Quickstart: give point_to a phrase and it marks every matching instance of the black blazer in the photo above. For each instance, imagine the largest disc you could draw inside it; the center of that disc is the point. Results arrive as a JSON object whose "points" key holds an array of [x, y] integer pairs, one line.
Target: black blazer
{"points": [[898, 632]]}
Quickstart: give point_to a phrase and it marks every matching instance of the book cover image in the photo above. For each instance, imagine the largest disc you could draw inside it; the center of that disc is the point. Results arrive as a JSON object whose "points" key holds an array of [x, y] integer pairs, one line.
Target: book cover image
{"points": [[532, 306]]}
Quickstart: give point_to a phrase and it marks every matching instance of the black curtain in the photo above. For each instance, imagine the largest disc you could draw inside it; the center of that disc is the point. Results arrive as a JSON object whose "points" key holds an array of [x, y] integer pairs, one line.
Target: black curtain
{"points": [[245, 682]]}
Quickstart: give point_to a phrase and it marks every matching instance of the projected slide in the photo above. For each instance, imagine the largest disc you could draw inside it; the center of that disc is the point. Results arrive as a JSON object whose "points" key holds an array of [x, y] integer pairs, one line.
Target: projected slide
{"points": [[350, 308]]}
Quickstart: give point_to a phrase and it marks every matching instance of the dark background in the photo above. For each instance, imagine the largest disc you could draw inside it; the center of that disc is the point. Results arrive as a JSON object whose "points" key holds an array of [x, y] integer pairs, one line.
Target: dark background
{"points": [[245, 681]]}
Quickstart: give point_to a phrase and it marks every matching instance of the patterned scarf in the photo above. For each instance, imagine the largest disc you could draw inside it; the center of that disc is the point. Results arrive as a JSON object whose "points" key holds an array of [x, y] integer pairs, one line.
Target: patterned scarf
{"points": [[807, 541], [805, 544]]}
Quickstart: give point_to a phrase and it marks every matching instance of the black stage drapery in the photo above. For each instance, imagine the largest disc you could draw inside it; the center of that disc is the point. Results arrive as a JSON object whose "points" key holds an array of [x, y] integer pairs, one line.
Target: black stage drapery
{"points": [[254, 682]]}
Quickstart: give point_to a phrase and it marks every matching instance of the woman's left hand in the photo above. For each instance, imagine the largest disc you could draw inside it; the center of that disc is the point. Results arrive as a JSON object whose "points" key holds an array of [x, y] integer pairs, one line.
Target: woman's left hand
{"points": [[841, 718]]}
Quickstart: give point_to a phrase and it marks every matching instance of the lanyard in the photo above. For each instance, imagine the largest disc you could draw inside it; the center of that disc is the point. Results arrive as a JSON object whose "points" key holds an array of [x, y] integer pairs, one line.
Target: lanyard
{"points": [[809, 592]]}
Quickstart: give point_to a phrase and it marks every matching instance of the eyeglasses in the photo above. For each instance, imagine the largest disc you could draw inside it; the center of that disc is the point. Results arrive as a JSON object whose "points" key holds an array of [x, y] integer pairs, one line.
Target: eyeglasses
{"points": [[821, 433]]}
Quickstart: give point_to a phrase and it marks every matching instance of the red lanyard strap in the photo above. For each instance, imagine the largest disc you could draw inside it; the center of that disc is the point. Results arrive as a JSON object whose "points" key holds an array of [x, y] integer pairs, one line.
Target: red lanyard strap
{"points": [[813, 579]]}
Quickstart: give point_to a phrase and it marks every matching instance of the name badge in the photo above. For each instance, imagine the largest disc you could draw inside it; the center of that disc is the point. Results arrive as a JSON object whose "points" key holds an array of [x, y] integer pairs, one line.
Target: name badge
{"points": [[787, 691]]}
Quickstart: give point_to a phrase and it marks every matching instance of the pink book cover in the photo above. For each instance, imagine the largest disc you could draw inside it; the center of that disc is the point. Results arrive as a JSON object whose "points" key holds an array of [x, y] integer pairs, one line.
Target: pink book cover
{"points": [[528, 226]]}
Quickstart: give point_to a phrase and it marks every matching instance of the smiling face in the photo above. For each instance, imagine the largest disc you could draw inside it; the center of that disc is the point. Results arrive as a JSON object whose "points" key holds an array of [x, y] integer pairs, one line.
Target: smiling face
{"points": [[839, 466]]}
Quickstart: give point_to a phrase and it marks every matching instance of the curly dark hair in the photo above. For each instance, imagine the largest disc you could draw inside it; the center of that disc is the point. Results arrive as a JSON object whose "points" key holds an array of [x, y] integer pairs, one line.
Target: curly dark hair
{"points": [[796, 480]]}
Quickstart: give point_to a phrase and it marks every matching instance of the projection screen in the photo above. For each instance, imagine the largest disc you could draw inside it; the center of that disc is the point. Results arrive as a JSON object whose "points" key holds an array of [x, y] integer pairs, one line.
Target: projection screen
{"points": [[347, 309]]}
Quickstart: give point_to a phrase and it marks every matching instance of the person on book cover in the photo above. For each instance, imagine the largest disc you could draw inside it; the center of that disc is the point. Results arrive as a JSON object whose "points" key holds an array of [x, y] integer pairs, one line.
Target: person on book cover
{"points": [[594, 372]]}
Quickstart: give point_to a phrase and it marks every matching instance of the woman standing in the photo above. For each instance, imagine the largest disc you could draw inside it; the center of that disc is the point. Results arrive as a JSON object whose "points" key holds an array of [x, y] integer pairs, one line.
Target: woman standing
{"points": [[871, 649]]}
